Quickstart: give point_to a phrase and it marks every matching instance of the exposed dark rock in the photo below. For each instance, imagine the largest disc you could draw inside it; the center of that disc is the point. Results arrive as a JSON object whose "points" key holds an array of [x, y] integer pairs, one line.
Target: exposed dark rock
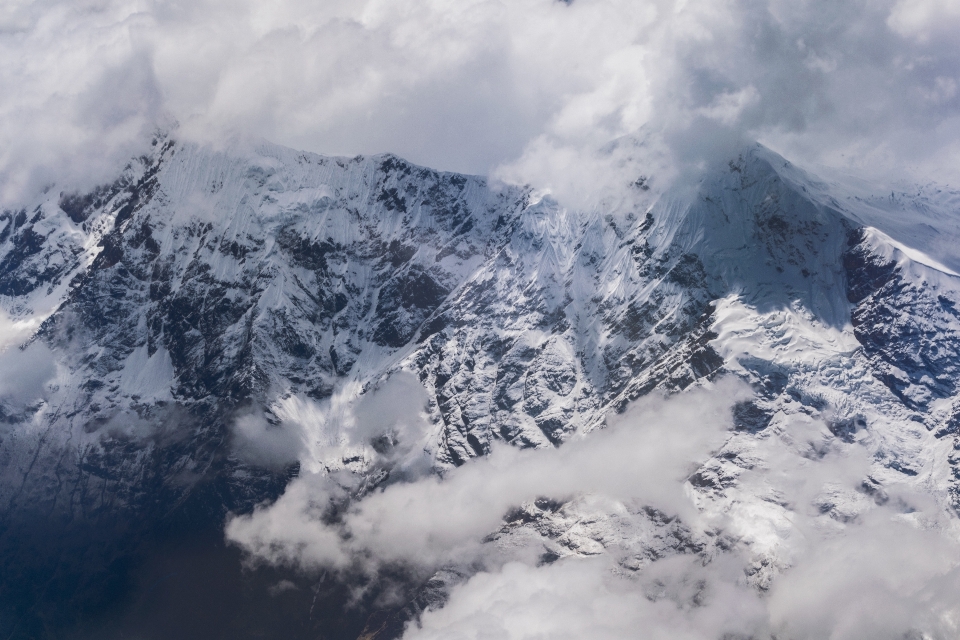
{"points": [[847, 429], [749, 416], [908, 332]]}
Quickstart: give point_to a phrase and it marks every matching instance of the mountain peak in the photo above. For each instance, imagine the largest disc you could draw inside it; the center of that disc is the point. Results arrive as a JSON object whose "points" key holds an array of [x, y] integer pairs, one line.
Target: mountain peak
{"points": [[216, 324]]}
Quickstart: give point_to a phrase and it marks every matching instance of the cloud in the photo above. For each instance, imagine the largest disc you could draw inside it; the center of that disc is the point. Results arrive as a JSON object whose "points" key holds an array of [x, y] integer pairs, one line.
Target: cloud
{"points": [[879, 580], [882, 578], [476, 85], [583, 598], [392, 419], [644, 455], [15, 332], [891, 572], [80, 94], [292, 530], [923, 19], [387, 424], [24, 373], [807, 552], [265, 443]]}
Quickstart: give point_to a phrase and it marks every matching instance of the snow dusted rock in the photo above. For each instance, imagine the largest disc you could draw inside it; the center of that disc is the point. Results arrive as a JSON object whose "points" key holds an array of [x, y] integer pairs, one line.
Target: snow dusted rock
{"points": [[208, 292], [905, 318], [228, 280]]}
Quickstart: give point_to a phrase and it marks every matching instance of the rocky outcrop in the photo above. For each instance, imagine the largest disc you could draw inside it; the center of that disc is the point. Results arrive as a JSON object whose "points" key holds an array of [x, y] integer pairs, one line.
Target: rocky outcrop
{"points": [[204, 287]]}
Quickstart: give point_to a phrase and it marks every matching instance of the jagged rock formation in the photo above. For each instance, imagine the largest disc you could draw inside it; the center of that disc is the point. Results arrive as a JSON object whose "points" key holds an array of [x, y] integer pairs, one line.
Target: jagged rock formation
{"points": [[202, 286]]}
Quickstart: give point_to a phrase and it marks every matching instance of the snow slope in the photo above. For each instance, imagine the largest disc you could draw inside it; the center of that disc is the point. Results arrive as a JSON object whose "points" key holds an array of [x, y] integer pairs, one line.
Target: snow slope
{"points": [[210, 322]]}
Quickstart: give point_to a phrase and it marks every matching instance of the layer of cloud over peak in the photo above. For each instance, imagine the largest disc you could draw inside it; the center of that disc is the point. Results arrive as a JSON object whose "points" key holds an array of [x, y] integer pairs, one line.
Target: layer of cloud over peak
{"points": [[582, 598], [873, 583], [475, 85], [884, 570], [430, 521]]}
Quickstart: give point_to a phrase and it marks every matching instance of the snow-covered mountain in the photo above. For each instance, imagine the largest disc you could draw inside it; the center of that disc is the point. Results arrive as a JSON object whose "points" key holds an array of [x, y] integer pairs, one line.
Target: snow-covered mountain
{"points": [[185, 341]]}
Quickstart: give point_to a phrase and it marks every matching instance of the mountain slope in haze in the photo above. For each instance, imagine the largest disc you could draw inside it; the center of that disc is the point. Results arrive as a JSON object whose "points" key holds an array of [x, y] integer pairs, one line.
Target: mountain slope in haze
{"points": [[201, 331]]}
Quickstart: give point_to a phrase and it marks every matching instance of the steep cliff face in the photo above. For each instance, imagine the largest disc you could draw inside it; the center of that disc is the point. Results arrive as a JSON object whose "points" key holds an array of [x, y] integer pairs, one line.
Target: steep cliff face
{"points": [[581, 313], [218, 281], [205, 290], [199, 287]]}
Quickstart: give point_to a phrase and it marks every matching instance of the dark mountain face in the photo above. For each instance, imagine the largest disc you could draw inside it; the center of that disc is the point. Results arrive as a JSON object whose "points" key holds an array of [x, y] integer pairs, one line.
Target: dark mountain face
{"points": [[205, 291], [168, 328]]}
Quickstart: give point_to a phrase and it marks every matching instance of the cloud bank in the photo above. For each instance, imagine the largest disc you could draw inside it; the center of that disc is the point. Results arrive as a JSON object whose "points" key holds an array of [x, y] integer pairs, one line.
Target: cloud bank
{"points": [[431, 521], [477, 85], [845, 565]]}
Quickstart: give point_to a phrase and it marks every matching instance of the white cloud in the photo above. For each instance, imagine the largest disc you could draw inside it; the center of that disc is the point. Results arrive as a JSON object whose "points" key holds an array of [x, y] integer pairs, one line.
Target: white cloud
{"points": [[882, 578], [265, 443], [583, 598], [291, 531], [473, 85], [24, 372], [839, 565], [387, 424], [922, 19], [644, 455], [879, 580]]}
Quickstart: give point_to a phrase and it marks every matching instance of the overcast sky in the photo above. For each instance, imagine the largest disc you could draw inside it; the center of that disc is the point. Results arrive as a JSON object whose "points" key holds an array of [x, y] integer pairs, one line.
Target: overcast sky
{"points": [[472, 85]]}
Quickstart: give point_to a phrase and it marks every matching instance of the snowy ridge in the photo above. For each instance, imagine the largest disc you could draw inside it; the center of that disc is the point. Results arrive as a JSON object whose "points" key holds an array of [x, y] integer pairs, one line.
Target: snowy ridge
{"points": [[212, 321]]}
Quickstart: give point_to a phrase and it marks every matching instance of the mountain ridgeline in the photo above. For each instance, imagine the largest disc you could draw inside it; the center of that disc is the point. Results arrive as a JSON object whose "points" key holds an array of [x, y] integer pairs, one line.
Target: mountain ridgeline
{"points": [[204, 287]]}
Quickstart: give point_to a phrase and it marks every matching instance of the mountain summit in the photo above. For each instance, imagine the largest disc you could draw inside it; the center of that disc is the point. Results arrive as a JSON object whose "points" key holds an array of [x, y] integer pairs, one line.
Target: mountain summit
{"points": [[197, 340]]}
